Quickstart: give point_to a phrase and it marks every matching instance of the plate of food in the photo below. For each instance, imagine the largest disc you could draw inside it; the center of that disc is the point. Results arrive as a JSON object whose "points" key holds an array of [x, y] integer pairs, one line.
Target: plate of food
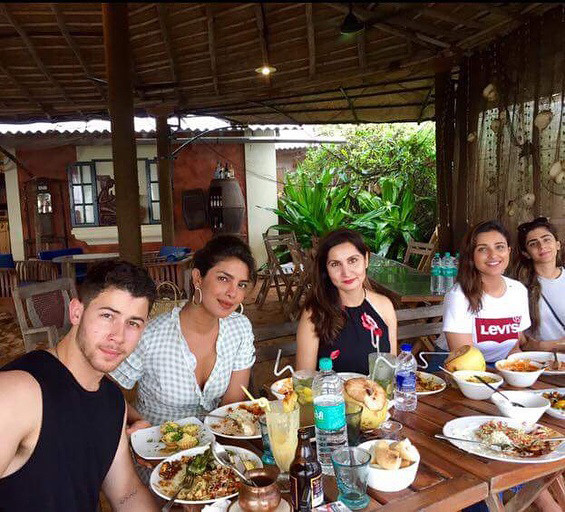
{"points": [[543, 358], [239, 420], [429, 384], [506, 439], [556, 397], [211, 483], [161, 441]]}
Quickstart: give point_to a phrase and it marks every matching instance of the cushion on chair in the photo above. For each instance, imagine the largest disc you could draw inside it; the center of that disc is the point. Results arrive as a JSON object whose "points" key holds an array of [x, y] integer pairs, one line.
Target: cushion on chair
{"points": [[7, 260], [49, 308], [173, 253]]}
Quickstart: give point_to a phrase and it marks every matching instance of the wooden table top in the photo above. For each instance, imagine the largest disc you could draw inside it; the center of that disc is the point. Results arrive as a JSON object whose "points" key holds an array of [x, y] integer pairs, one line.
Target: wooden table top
{"points": [[404, 283]]}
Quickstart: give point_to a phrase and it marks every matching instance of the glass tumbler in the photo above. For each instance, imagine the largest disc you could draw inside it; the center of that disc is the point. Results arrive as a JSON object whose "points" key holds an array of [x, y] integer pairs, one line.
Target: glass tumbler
{"points": [[267, 456], [351, 467]]}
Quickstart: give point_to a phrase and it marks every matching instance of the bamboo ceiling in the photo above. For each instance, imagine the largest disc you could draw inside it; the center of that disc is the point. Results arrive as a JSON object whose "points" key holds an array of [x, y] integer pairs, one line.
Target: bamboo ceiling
{"points": [[201, 58]]}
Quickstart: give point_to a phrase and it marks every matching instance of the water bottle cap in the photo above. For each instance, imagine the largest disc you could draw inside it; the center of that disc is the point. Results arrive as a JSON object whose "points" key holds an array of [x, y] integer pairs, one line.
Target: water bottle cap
{"points": [[437, 254], [406, 347], [448, 254], [325, 364]]}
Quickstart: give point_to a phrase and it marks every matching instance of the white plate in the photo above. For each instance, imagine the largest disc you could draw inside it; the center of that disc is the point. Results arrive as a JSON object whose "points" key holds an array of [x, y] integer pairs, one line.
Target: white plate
{"points": [[439, 380], [556, 413], [146, 444], [350, 375], [542, 357], [154, 480], [223, 411], [465, 428]]}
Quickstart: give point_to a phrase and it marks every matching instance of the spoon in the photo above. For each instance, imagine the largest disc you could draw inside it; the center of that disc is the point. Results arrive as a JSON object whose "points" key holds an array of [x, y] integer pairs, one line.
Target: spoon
{"points": [[556, 360], [515, 404], [222, 457], [446, 371]]}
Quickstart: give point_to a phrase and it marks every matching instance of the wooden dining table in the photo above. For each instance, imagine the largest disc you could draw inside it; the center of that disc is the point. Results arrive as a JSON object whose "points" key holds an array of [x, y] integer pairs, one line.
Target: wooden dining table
{"points": [[406, 286]]}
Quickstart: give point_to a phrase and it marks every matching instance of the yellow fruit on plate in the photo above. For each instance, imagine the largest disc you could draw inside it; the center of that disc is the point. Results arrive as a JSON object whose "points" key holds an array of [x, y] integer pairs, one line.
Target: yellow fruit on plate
{"points": [[466, 357]]}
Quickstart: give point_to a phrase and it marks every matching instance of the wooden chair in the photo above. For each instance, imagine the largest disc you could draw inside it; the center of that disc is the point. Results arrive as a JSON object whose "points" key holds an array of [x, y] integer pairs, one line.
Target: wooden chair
{"points": [[8, 281], [43, 311], [174, 271], [422, 324], [418, 248]]}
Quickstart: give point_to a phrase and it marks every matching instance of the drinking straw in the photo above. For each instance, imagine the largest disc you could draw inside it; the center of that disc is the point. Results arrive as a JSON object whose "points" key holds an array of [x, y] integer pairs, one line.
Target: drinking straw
{"points": [[261, 402], [276, 370]]}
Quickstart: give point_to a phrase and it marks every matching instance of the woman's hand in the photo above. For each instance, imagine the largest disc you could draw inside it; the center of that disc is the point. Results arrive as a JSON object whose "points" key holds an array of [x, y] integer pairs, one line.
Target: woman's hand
{"points": [[137, 425]]}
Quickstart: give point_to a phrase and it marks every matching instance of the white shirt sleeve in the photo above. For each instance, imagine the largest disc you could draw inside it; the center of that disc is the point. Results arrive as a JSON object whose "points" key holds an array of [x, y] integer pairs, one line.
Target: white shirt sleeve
{"points": [[131, 369], [526, 321], [245, 355], [456, 314]]}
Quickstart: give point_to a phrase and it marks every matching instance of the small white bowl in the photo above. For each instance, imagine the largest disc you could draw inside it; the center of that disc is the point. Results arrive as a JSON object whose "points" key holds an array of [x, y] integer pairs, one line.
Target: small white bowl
{"points": [[476, 390], [389, 480], [519, 379], [535, 405]]}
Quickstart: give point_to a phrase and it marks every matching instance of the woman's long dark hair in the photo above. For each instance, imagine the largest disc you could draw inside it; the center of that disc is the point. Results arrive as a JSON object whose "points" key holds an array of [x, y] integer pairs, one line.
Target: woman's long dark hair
{"points": [[323, 300], [469, 278], [525, 271]]}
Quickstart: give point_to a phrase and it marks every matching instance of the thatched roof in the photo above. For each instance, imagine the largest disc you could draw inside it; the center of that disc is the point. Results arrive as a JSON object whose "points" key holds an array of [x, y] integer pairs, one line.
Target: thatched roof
{"points": [[202, 57]]}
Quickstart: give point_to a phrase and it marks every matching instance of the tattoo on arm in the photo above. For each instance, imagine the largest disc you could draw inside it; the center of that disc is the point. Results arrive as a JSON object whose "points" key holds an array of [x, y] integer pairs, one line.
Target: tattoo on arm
{"points": [[128, 497]]}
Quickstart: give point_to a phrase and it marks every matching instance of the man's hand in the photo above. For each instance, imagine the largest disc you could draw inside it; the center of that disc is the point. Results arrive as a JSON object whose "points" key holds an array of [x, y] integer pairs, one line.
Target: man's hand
{"points": [[137, 425]]}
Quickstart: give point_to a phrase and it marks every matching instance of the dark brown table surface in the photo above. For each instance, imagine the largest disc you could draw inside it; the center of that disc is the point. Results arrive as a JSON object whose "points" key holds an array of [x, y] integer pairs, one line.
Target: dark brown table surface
{"points": [[405, 284]]}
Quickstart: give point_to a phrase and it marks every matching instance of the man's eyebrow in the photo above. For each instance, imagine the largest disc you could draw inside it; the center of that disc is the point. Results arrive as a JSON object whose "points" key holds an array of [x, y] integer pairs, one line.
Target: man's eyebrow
{"points": [[138, 318]]}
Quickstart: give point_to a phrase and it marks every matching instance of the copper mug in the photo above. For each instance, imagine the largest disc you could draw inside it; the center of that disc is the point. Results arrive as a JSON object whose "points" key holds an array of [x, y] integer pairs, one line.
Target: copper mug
{"points": [[263, 498]]}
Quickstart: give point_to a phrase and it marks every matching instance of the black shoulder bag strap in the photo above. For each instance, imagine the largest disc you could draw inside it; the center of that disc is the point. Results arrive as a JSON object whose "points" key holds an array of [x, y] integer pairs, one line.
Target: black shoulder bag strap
{"points": [[553, 312]]}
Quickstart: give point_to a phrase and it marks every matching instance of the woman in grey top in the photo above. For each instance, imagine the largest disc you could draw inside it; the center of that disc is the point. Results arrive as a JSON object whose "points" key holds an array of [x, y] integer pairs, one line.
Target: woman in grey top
{"points": [[196, 358], [540, 268]]}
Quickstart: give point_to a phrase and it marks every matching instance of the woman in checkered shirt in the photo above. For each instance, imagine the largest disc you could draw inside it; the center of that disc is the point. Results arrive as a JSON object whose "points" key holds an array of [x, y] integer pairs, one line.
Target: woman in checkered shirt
{"points": [[197, 357]]}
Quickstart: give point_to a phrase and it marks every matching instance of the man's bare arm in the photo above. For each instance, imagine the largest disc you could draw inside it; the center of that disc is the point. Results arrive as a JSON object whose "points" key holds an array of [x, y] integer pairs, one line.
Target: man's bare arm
{"points": [[122, 486]]}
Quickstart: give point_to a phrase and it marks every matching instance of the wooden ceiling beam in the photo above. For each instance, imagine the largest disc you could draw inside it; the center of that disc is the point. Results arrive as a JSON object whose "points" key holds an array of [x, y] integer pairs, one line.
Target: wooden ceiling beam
{"points": [[274, 108], [311, 41], [431, 12], [212, 50], [263, 40], [350, 104], [74, 47], [166, 34], [362, 50]]}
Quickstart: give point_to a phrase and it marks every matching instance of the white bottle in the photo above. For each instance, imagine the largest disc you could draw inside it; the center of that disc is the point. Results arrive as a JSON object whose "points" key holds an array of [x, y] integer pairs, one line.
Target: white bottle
{"points": [[329, 414], [405, 398], [436, 278], [448, 267]]}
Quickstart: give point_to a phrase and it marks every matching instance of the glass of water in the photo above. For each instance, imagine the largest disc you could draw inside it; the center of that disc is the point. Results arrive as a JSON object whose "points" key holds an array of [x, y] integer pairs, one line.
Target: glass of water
{"points": [[351, 467], [382, 367]]}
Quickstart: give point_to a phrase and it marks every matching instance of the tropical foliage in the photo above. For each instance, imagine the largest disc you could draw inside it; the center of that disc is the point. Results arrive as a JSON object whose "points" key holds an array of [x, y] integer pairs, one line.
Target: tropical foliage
{"points": [[368, 184]]}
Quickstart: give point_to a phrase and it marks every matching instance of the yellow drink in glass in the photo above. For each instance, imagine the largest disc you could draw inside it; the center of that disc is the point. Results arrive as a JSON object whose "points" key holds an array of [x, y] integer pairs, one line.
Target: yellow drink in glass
{"points": [[283, 434]]}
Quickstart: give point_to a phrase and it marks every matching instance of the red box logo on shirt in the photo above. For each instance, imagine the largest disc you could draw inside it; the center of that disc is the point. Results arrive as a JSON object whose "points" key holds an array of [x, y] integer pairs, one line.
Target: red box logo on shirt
{"points": [[498, 330]]}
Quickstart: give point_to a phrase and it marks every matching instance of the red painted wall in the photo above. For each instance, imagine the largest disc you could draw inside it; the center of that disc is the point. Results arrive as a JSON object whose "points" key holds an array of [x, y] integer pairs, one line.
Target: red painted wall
{"points": [[193, 168]]}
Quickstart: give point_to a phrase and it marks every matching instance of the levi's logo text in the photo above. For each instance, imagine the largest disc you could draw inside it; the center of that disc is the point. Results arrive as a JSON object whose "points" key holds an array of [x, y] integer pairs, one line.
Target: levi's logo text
{"points": [[498, 330]]}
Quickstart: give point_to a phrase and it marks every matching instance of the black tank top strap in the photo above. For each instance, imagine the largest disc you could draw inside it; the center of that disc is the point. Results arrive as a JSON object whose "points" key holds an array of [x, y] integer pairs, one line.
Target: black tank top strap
{"points": [[79, 436]]}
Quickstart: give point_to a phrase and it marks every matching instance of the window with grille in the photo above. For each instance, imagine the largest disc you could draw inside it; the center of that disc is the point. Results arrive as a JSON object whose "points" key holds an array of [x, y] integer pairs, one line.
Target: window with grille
{"points": [[82, 192]]}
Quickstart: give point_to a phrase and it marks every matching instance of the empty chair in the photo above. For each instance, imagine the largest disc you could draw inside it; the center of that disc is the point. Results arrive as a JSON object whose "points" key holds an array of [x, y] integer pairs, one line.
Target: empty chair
{"points": [[43, 311]]}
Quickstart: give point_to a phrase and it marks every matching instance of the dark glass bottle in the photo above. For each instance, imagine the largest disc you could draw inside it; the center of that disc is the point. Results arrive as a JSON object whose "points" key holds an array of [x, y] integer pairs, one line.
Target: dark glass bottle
{"points": [[306, 490]]}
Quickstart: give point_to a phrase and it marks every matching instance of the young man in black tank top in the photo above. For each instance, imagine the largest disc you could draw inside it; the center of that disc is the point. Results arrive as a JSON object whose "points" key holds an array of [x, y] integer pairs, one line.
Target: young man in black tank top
{"points": [[61, 420]]}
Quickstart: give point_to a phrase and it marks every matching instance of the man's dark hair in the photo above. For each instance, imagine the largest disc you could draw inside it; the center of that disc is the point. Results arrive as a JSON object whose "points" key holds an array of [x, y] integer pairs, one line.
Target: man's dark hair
{"points": [[118, 274]]}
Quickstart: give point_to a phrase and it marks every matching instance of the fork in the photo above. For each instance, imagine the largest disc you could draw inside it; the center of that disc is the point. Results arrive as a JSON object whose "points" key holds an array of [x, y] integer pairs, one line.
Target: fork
{"points": [[187, 482], [514, 404]]}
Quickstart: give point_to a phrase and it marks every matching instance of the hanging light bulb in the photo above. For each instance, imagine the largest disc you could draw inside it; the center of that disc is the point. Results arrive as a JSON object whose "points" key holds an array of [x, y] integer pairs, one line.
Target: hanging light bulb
{"points": [[265, 70], [351, 24]]}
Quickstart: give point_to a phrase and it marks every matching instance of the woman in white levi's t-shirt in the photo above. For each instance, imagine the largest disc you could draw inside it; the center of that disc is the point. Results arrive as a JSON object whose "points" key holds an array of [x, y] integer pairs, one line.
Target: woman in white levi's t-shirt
{"points": [[485, 308], [540, 268]]}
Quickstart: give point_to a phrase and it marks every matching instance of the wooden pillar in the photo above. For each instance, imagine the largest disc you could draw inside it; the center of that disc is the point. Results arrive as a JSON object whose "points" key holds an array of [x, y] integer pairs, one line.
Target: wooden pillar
{"points": [[445, 131], [165, 164], [120, 103]]}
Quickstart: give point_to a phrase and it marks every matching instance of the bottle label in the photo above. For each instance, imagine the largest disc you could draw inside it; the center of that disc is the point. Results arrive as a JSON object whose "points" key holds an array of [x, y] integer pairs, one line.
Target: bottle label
{"points": [[436, 271], [406, 381], [329, 417], [317, 489], [313, 497]]}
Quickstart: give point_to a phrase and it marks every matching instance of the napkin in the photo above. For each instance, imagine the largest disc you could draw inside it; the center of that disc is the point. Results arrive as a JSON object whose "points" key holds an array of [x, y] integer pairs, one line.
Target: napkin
{"points": [[218, 506]]}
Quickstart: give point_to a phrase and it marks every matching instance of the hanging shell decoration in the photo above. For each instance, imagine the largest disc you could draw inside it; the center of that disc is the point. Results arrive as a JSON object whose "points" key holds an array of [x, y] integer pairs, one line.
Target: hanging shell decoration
{"points": [[559, 178], [543, 119], [529, 199], [472, 137], [489, 92], [555, 169], [495, 125], [511, 208]]}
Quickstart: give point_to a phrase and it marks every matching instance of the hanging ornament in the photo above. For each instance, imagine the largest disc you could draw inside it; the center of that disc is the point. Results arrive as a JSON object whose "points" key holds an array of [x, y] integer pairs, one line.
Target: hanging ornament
{"points": [[559, 178], [472, 137], [489, 92], [543, 119], [555, 169], [511, 208], [529, 199]]}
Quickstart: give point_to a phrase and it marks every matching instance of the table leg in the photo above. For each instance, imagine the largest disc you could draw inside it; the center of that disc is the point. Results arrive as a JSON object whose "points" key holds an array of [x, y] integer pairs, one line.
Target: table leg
{"points": [[69, 270], [557, 488], [494, 503]]}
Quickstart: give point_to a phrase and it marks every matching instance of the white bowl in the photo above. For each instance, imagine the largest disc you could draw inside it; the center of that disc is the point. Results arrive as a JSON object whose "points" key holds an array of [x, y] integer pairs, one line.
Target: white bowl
{"points": [[389, 480], [535, 405], [519, 379], [476, 390]]}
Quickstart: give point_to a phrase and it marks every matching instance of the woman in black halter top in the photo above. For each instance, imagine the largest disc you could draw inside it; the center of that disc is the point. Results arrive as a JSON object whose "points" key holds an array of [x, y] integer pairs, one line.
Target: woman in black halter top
{"points": [[340, 313]]}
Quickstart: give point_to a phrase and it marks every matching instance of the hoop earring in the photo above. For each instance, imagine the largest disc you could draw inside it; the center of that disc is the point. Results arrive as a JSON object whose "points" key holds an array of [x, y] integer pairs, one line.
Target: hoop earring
{"points": [[241, 306], [196, 289]]}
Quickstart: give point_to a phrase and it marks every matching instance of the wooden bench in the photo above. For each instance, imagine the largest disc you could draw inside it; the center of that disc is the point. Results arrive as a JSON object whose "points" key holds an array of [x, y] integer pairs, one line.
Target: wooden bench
{"points": [[423, 325]]}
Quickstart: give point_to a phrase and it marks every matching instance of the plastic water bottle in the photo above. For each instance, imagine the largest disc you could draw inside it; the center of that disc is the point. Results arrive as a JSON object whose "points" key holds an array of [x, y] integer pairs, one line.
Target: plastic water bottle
{"points": [[449, 271], [436, 279], [329, 414], [405, 398]]}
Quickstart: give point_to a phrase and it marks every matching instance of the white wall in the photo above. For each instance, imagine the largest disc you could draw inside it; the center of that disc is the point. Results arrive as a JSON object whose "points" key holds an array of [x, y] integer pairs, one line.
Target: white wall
{"points": [[261, 185], [14, 208]]}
